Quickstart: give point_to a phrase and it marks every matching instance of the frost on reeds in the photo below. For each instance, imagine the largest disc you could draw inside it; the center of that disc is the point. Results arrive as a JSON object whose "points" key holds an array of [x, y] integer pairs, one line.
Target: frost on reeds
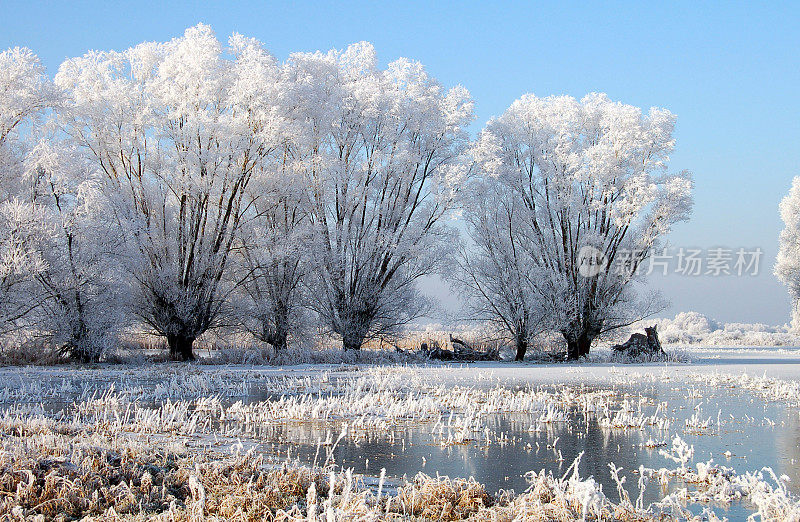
{"points": [[709, 483], [631, 415], [116, 454], [374, 401], [769, 388], [150, 384], [99, 477], [547, 498], [94, 474], [266, 356]]}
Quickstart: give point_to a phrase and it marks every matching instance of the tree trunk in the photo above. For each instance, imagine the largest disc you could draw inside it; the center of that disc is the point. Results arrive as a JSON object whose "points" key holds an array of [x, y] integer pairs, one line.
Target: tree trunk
{"points": [[78, 353], [522, 347], [77, 348], [352, 341], [578, 346], [84, 356], [573, 352], [278, 340], [180, 347], [584, 343], [281, 333], [795, 315]]}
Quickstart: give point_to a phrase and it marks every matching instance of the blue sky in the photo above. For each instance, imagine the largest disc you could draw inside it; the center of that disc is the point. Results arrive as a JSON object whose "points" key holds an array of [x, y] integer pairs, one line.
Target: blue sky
{"points": [[729, 71]]}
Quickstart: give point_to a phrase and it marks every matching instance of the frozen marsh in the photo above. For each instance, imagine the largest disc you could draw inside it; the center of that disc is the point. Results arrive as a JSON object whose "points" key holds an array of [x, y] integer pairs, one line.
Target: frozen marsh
{"points": [[717, 437]]}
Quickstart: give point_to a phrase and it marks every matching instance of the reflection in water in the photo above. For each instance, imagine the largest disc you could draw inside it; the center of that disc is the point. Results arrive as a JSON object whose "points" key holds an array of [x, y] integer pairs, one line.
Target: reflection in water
{"points": [[787, 444]]}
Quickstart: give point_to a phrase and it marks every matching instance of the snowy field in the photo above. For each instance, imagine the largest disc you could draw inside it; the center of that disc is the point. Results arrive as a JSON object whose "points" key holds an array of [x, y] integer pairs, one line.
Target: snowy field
{"points": [[714, 437]]}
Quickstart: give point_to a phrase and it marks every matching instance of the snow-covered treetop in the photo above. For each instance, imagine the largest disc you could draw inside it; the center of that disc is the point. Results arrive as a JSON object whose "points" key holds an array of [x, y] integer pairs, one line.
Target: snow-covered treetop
{"points": [[25, 93], [592, 154], [404, 113], [25, 88]]}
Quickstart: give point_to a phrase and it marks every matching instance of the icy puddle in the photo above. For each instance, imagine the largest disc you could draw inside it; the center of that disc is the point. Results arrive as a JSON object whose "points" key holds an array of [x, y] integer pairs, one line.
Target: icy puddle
{"points": [[630, 427]]}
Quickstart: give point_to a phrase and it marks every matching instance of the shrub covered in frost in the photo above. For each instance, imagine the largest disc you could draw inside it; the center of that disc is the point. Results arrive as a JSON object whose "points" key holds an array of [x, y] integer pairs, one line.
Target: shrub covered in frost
{"points": [[698, 329]]}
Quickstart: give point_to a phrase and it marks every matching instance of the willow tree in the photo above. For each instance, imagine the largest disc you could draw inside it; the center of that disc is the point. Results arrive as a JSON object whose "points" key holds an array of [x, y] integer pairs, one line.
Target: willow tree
{"points": [[273, 257], [494, 270], [78, 290], [175, 129], [381, 154], [587, 182]]}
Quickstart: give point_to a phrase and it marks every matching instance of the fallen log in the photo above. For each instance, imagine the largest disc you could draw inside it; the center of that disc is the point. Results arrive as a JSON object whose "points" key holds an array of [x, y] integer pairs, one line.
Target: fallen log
{"points": [[461, 352]]}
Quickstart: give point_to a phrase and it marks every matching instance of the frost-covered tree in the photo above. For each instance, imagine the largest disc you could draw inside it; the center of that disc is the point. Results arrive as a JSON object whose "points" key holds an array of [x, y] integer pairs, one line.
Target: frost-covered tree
{"points": [[78, 291], [380, 151], [274, 254], [25, 93], [175, 130], [583, 174], [494, 271], [787, 265]]}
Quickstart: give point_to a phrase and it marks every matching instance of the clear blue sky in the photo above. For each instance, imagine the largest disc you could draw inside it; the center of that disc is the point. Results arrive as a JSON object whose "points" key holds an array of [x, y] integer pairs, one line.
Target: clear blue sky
{"points": [[730, 71]]}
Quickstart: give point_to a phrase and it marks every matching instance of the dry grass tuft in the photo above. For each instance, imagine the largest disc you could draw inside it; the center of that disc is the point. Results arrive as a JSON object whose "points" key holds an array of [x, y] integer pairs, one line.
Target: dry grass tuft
{"points": [[30, 352], [63, 478], [441, 498]]}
